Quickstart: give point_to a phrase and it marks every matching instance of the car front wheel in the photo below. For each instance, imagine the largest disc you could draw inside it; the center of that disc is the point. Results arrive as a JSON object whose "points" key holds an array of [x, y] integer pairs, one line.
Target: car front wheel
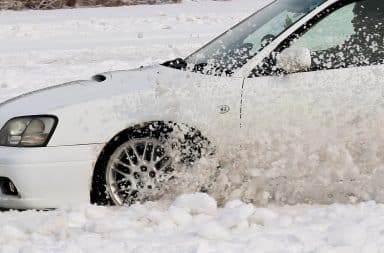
{"points": [[140, 164], [137, 170]]}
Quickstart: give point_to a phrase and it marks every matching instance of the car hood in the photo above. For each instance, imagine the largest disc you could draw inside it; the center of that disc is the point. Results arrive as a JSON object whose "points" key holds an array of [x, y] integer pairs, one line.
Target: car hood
{"points": [[105, 85]]}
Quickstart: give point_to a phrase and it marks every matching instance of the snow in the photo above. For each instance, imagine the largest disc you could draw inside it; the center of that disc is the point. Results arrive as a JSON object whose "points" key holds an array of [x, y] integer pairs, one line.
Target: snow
{"points": [[175, 227], [44, 48], [196, 203]]}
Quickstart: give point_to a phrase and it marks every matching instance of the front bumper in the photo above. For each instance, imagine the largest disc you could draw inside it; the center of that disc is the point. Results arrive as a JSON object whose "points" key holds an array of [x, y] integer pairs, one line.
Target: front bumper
{"points": [[48, 177]]}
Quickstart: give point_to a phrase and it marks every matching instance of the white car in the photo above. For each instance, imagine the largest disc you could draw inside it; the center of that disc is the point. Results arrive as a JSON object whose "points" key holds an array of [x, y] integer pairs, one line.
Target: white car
{"points": [[106, 140]]}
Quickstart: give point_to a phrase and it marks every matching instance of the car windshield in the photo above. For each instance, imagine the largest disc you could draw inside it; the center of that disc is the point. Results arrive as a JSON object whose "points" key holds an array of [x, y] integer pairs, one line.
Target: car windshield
{"points": [[235, 47]]}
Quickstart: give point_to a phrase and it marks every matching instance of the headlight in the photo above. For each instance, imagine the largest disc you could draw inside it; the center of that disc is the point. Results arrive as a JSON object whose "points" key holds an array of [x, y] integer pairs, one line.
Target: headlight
{"points": [[29, 131]]}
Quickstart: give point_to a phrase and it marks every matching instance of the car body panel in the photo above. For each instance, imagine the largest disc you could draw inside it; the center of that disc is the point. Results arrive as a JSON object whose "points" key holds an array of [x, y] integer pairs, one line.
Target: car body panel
{"points": [[48, 177], [94, 112], [325, 123]]}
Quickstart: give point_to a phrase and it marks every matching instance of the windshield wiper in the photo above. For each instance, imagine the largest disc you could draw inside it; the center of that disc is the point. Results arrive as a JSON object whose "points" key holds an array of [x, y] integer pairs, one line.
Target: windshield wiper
{"points": [[178, 63], [181, 64]]}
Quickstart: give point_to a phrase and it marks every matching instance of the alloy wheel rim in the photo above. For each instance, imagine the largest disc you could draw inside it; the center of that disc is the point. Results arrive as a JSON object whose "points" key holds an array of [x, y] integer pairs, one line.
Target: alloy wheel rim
{"points": [[136, 171]]}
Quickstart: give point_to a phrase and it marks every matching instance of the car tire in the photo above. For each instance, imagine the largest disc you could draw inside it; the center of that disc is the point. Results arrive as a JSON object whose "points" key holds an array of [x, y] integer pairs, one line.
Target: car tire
{"points": [[137, 163]]}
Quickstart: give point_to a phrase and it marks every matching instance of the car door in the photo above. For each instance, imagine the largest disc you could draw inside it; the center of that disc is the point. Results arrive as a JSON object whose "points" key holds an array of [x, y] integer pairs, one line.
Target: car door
{"points": [[321, 129]]}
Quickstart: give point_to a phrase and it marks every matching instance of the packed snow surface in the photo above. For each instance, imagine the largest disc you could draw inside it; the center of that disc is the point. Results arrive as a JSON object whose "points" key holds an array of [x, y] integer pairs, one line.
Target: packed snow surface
{"points": [[44, 48], [193, 223]]}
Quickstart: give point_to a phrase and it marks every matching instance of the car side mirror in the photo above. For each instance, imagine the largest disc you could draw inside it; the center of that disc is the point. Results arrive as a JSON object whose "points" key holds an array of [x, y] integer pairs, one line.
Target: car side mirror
{"points": [[294, 59]]}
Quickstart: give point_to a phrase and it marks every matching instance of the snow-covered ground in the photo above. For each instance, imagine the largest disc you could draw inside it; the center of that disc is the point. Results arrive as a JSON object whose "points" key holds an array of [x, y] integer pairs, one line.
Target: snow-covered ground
{"points": [[194, 224], [43, 48]]}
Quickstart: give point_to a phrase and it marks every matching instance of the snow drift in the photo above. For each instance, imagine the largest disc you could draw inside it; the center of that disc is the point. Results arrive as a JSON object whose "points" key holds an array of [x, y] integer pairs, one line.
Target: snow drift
{"points": [[194, 223]]}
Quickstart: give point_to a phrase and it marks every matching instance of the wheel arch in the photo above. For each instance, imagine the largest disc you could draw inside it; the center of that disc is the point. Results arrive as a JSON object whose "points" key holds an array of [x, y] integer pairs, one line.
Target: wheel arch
{"points": [[97, 190]]}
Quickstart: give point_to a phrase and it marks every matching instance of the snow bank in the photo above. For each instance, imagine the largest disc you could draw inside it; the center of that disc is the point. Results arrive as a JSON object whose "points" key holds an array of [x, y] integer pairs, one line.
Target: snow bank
{"points": [[157, 227]]}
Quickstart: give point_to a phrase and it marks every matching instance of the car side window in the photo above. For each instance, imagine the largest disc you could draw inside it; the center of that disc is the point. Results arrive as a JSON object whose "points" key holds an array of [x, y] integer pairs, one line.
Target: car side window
{"points": [[332, 31], [350, 36]]}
